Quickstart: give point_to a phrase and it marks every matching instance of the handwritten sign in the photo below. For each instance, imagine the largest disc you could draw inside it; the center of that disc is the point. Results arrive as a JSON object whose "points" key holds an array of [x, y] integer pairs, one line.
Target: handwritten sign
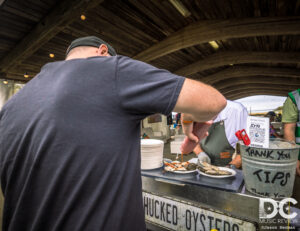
{"points": [[269, 172], [270, 154], [177, 215], [258, 129], [270, 181]]}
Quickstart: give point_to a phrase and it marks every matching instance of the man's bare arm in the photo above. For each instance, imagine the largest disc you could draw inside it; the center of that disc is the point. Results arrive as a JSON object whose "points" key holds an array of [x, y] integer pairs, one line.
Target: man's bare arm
{"points": [[289, 134], [200, 102], [289, 131]]}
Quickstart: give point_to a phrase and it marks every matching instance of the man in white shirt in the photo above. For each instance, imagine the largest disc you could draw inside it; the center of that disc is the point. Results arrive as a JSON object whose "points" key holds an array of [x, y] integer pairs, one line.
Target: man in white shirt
{"points": [[218, 147]]}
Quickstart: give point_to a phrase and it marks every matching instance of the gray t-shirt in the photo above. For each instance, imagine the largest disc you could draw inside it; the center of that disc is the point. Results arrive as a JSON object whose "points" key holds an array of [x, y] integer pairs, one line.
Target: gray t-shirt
{"points": [[70, 144]]}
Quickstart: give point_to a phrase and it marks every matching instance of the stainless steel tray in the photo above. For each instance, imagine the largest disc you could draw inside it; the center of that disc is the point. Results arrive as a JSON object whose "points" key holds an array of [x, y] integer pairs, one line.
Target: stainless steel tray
{"points": [[232, 184]]}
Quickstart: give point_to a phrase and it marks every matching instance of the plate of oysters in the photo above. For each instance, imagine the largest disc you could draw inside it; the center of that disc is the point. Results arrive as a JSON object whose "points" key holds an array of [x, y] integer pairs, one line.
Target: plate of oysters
{"points": [[179, 167], [209, 170]]}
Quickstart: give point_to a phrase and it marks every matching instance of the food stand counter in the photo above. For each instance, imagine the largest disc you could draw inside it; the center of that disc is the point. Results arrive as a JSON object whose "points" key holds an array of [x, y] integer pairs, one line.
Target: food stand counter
{"points": [[197, 202]]}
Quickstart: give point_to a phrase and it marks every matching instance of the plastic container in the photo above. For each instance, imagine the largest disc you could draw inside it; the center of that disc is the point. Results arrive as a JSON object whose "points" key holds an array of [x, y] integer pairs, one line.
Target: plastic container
{"points": [[175, 147], [270, 172], [179, 137], [176, 144]]}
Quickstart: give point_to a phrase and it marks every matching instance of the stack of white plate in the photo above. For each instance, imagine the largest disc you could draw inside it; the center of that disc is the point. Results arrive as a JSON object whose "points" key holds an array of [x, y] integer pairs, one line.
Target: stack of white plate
{"points": [[151, 154]]}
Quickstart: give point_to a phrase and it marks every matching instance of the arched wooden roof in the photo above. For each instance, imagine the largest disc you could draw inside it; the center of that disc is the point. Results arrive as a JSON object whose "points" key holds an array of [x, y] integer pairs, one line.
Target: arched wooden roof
{"points": [[258, 42]]}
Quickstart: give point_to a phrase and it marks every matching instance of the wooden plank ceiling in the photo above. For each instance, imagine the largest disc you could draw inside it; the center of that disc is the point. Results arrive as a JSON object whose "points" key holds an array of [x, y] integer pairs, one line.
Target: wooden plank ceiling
{"points": [[255, 48]]}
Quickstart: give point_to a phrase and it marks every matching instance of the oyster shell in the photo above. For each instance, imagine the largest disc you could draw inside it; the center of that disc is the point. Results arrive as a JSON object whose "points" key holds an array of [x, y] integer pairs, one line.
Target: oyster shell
{"points": [[191, 167], [211, 169]]}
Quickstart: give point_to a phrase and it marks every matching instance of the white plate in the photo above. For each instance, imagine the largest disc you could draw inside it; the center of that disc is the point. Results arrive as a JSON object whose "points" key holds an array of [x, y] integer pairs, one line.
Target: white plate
{"points": [[179, 172], [151, 142], [152, 167], [184, 172], [222, 176]]}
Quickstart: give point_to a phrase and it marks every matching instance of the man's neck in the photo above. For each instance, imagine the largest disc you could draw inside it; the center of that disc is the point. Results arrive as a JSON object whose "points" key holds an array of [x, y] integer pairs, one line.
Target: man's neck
{"points": [[78, 56]]}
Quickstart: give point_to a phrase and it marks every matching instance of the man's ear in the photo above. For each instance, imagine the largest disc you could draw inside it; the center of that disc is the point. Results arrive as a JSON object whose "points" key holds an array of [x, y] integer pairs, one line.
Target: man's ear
{"points": [[103, 50]]}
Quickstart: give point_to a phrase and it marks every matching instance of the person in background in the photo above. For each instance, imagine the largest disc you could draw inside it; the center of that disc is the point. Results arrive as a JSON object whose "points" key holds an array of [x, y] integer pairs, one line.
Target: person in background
{"points": [[279, 117], [218, 147], [178, 117], [169, 119], [70, 152], [291, 120], [272, 115]]}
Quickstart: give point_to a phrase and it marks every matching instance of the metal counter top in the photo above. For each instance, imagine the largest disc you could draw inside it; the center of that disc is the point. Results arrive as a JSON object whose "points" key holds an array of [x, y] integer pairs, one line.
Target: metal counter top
{"points": [[227, 196], [240, 203], [205, 194]]}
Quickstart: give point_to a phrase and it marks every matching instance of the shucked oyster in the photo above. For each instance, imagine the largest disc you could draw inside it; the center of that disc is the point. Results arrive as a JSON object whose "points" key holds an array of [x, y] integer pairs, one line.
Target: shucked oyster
{"points": [[211, 169], [224, 172], [191, 167], [211, 172]]}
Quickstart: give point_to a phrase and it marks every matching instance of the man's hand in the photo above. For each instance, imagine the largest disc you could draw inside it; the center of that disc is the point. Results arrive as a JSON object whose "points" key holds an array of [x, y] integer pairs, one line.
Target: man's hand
{"points": [[200, 130], [203, 157], [298, 168], [197, 149], [187, 129], [237, 161]]}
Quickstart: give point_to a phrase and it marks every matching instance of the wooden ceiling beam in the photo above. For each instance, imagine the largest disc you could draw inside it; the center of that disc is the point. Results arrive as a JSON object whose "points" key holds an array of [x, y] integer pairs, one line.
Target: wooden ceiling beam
{"points": [[23, 72], [251, 92], [238, 94], [240, 71], [238, 57], [257, 12], [22, 69], [62, 15], [259, 80], [18, 79], [180, 7], [246, 87], [212, 30], [2, 74]]}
